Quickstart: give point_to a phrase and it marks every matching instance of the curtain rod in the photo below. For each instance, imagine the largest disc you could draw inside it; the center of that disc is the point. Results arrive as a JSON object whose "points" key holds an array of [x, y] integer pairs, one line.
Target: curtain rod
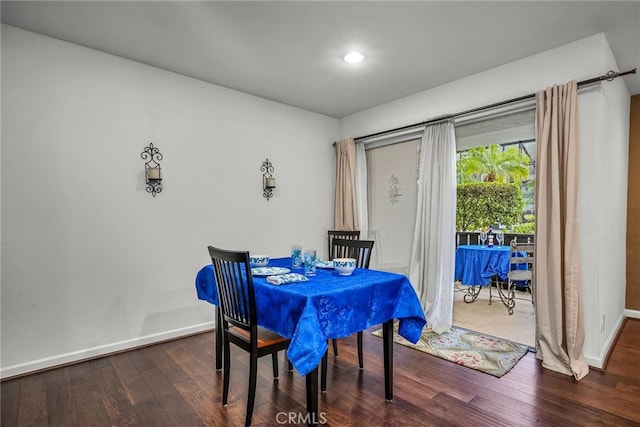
{"points": [[608, 77]]}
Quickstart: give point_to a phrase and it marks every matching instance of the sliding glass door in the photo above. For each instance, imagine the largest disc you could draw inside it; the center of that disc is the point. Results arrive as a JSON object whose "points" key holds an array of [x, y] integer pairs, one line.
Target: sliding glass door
{"points": [[392, 172]]}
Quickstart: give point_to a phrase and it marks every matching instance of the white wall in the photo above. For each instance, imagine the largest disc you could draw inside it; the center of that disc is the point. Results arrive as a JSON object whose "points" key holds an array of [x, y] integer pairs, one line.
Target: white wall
{"points": [[604, 125], [91, 263], [609, 158]]}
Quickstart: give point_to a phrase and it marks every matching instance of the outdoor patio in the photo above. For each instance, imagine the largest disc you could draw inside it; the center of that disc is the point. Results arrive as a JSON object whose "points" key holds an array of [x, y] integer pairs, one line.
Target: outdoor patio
{"points": [[493, 319]]}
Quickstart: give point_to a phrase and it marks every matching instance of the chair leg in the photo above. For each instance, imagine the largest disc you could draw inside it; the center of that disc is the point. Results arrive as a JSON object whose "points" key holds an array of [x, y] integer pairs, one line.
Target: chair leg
{"points": [[490, 289], [323, 373], [253, 373], [225, 373], [219, 338], [335, 347], [511, 297], [360, 358], [274, 361]]}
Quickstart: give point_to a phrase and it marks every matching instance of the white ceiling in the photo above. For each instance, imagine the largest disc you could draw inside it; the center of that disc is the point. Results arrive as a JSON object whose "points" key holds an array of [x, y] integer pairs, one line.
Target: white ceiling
{"points": [[291, 51]]}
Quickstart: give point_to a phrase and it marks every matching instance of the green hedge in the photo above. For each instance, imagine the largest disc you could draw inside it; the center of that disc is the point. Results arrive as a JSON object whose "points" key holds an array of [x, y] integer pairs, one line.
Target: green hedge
{"points": [[482, 203]]}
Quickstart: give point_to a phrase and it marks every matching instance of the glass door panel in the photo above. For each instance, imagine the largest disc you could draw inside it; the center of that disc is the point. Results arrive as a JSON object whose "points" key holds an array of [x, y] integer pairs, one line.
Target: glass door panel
{"points": [[392, 173]]}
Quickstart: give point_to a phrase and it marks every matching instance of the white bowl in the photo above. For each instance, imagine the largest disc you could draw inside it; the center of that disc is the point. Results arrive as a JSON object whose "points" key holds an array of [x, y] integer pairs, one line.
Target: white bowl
{"points": [[344, 266], [259, 260]]}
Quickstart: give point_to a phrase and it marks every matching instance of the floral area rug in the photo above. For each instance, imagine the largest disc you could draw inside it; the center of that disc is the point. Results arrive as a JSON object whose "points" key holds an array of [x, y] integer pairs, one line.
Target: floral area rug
{"points": [[475, 350]]}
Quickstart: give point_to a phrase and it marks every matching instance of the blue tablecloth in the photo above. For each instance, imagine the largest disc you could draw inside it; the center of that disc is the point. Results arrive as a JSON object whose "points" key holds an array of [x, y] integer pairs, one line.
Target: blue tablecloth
{"points": [[477, 264], [327, 306]]}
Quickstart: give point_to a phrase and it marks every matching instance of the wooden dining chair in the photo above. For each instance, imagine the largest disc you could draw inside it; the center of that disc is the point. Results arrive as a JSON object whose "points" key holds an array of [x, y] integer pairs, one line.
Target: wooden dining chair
{"points": [[339, 234], [361, 251], [240, 320]]}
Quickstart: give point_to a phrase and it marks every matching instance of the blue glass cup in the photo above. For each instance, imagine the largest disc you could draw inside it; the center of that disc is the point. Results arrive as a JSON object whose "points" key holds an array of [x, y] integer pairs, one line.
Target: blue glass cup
{"points": [[296, 257], [309, 262]]}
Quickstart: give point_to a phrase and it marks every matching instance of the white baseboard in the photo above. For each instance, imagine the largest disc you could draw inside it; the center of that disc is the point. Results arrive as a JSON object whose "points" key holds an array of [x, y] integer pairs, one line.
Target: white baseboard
{"points": [[635, 314], [92, 353], [598, 362]]}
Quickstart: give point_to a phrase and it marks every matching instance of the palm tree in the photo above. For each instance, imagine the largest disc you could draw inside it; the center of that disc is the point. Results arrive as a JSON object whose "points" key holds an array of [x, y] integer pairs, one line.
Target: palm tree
{"points": [[491, 164]]}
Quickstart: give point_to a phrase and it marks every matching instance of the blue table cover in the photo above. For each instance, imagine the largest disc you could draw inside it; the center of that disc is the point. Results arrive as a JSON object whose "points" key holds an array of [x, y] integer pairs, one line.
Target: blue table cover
{"points": [[477, 264], [327, 306]]}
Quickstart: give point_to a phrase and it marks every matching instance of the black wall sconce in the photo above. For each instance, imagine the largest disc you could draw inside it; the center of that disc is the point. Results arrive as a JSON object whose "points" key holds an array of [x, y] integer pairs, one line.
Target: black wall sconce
{"points": [[268, 181], [152, 171]]}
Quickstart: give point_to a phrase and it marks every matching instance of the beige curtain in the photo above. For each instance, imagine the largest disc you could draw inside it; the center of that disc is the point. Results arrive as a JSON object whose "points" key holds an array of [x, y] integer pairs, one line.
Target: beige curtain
{"points": [[346, 215], [558, 286]]}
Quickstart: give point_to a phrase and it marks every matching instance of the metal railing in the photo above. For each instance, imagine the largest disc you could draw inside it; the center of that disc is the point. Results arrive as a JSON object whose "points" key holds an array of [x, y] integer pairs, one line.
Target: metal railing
{"points": [[473, 238]]}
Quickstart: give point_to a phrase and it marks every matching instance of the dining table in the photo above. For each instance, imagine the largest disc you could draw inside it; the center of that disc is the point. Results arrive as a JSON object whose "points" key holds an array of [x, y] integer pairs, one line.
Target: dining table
{"points": [[478, 264], [327, 306]]}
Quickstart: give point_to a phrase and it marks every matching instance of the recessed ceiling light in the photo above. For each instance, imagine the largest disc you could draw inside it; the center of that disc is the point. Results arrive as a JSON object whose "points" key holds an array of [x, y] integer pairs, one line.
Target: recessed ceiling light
{"points": [[353, 57]]}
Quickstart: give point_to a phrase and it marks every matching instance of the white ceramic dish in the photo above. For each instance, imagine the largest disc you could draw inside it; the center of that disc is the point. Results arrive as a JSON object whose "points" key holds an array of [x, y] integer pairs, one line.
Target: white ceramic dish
{"points": [[269, 271], [344, 266]]}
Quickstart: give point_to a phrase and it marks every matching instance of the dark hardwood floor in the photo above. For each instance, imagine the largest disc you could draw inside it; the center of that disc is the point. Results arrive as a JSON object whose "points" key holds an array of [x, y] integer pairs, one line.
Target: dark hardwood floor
{"points": [[175, 384]]}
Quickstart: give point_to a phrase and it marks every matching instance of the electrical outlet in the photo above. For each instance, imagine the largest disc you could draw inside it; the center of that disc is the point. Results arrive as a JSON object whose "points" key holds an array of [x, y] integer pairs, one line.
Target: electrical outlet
{"points": [[602, 323]]}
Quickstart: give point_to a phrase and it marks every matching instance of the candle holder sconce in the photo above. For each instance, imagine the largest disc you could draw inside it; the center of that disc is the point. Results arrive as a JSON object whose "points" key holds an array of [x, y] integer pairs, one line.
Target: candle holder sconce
{"points": [[394, 190], [268, 181], [152, 172]]}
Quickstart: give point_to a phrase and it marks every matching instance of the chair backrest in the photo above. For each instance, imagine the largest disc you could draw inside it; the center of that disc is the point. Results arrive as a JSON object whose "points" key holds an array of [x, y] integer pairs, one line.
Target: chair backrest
{"points": [[358, 249], [234, 283], [521, 262], [340, 234]]}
